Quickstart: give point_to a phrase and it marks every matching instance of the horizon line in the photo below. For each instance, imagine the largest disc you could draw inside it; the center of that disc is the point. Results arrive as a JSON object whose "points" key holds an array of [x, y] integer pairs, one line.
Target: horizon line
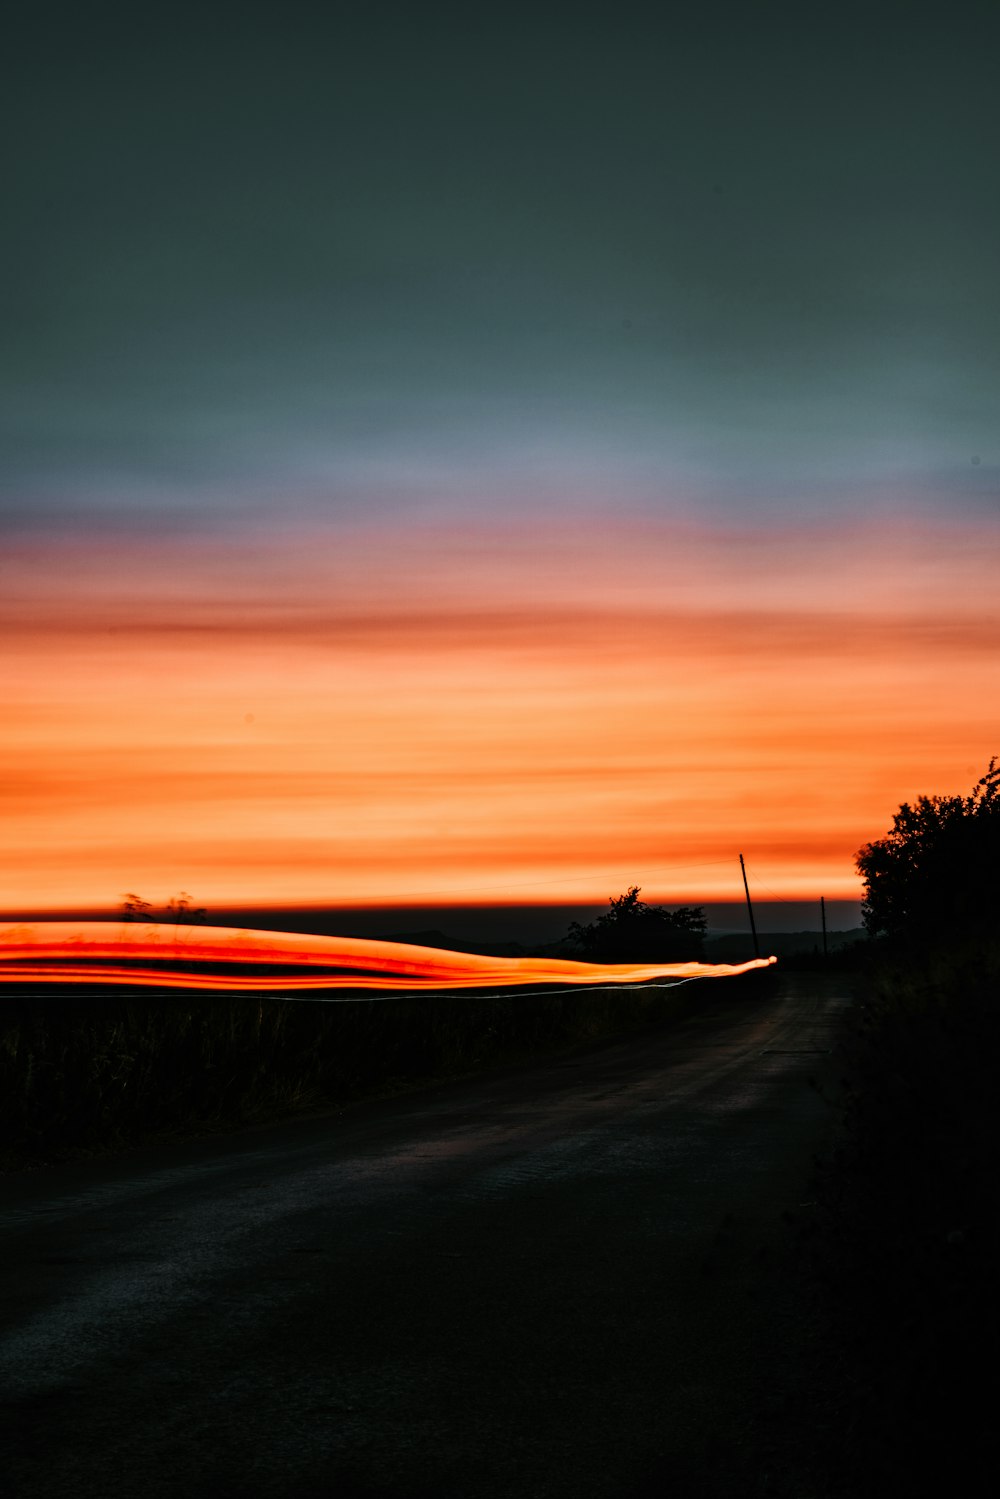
{"points": [[449, 905]]}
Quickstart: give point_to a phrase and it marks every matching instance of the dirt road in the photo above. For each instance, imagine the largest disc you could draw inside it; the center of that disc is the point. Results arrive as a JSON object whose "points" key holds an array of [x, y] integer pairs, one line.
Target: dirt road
{"points": [[555, 1280]]}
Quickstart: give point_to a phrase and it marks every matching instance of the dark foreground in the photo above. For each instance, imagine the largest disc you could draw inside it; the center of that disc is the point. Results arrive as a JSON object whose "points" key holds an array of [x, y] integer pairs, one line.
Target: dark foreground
{"points": [[563, 1279]]}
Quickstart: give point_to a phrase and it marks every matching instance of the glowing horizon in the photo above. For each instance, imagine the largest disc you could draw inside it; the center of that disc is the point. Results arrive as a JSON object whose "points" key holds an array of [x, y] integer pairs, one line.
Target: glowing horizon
{"points": [[344, 717]]}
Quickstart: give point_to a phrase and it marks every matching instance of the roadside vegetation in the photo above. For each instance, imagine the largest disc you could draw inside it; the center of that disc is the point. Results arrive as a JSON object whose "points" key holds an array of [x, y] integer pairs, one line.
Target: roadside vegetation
{"points": [[903, 1241], [83, 1075], [180, 910]]}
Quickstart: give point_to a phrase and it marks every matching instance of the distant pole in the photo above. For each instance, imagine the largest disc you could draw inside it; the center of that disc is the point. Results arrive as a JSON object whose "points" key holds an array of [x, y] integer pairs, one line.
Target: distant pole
{"points": [[753, 928], [822, 912]]}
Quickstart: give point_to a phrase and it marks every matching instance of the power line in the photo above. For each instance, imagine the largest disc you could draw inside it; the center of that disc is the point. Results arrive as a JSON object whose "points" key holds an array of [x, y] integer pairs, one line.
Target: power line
{"points": [[780, 899]]}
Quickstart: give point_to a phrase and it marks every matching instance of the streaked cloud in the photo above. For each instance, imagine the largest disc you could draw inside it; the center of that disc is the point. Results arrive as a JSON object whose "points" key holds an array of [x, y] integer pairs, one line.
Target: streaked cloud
{"points": [[471, 450], [334, 719]]}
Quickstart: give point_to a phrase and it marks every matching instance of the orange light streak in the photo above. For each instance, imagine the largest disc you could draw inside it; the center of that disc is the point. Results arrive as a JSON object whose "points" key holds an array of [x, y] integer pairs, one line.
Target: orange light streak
{"points": [[79, 953]]}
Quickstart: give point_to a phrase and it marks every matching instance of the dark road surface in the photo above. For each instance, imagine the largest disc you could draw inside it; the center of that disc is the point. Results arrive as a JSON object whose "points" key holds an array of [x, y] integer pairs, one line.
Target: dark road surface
{"points": [[549, 1281]]}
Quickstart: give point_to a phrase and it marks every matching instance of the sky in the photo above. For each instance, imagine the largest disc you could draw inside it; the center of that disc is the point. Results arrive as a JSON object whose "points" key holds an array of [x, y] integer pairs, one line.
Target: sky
{"points": [[494, 454]]}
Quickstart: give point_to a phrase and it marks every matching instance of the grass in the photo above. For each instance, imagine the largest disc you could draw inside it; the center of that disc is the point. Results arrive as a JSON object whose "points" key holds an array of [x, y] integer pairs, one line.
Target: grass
{"points": [[904, 1238], [80, 1075]]}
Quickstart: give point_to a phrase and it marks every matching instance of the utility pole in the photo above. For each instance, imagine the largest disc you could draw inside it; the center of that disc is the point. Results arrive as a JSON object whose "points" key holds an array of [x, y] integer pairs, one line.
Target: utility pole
{"points": [[753, 928], [822, 912]]}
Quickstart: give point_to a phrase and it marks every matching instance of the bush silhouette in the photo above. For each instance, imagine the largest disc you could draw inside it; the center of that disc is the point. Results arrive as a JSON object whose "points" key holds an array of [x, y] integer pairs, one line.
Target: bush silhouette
{"points": [[179, 909], [633, 932]]}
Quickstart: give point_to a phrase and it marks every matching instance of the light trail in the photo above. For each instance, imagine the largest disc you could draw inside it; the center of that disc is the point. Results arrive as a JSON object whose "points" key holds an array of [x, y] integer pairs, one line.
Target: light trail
{"points": [[217, 958]]}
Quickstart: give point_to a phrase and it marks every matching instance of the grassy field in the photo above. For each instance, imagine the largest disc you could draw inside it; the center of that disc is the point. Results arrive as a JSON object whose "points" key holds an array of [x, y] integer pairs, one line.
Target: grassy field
{"points": [[80, 1074]]}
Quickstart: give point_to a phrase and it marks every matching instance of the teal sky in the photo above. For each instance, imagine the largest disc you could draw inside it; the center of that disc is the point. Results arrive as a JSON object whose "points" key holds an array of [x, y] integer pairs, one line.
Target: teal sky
{"points": [[264, 261]]}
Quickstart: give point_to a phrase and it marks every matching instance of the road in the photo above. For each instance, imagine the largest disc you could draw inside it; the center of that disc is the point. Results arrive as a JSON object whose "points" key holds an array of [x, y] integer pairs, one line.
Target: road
{"points": [[558, 1279]]}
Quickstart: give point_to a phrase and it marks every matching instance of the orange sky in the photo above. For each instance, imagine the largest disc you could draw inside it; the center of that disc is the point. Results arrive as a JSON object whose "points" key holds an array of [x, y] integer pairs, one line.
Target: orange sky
{"points": [[336, 716]]}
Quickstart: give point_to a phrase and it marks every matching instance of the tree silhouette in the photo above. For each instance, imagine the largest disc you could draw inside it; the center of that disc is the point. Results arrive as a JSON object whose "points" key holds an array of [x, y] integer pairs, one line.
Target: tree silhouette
{"points": [[179, 909], [633, 932], [134, 908], [937, 871]]}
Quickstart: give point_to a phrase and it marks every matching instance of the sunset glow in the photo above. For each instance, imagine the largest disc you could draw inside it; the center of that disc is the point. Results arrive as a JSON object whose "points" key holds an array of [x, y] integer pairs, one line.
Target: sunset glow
{"points": [[98, 953], [450, 464], [351, 718]]}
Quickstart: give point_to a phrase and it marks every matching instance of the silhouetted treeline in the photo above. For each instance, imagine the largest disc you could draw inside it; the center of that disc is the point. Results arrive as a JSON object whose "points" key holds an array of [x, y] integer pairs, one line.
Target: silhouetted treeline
{"points": [[906, 1232], [180, 909]]}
